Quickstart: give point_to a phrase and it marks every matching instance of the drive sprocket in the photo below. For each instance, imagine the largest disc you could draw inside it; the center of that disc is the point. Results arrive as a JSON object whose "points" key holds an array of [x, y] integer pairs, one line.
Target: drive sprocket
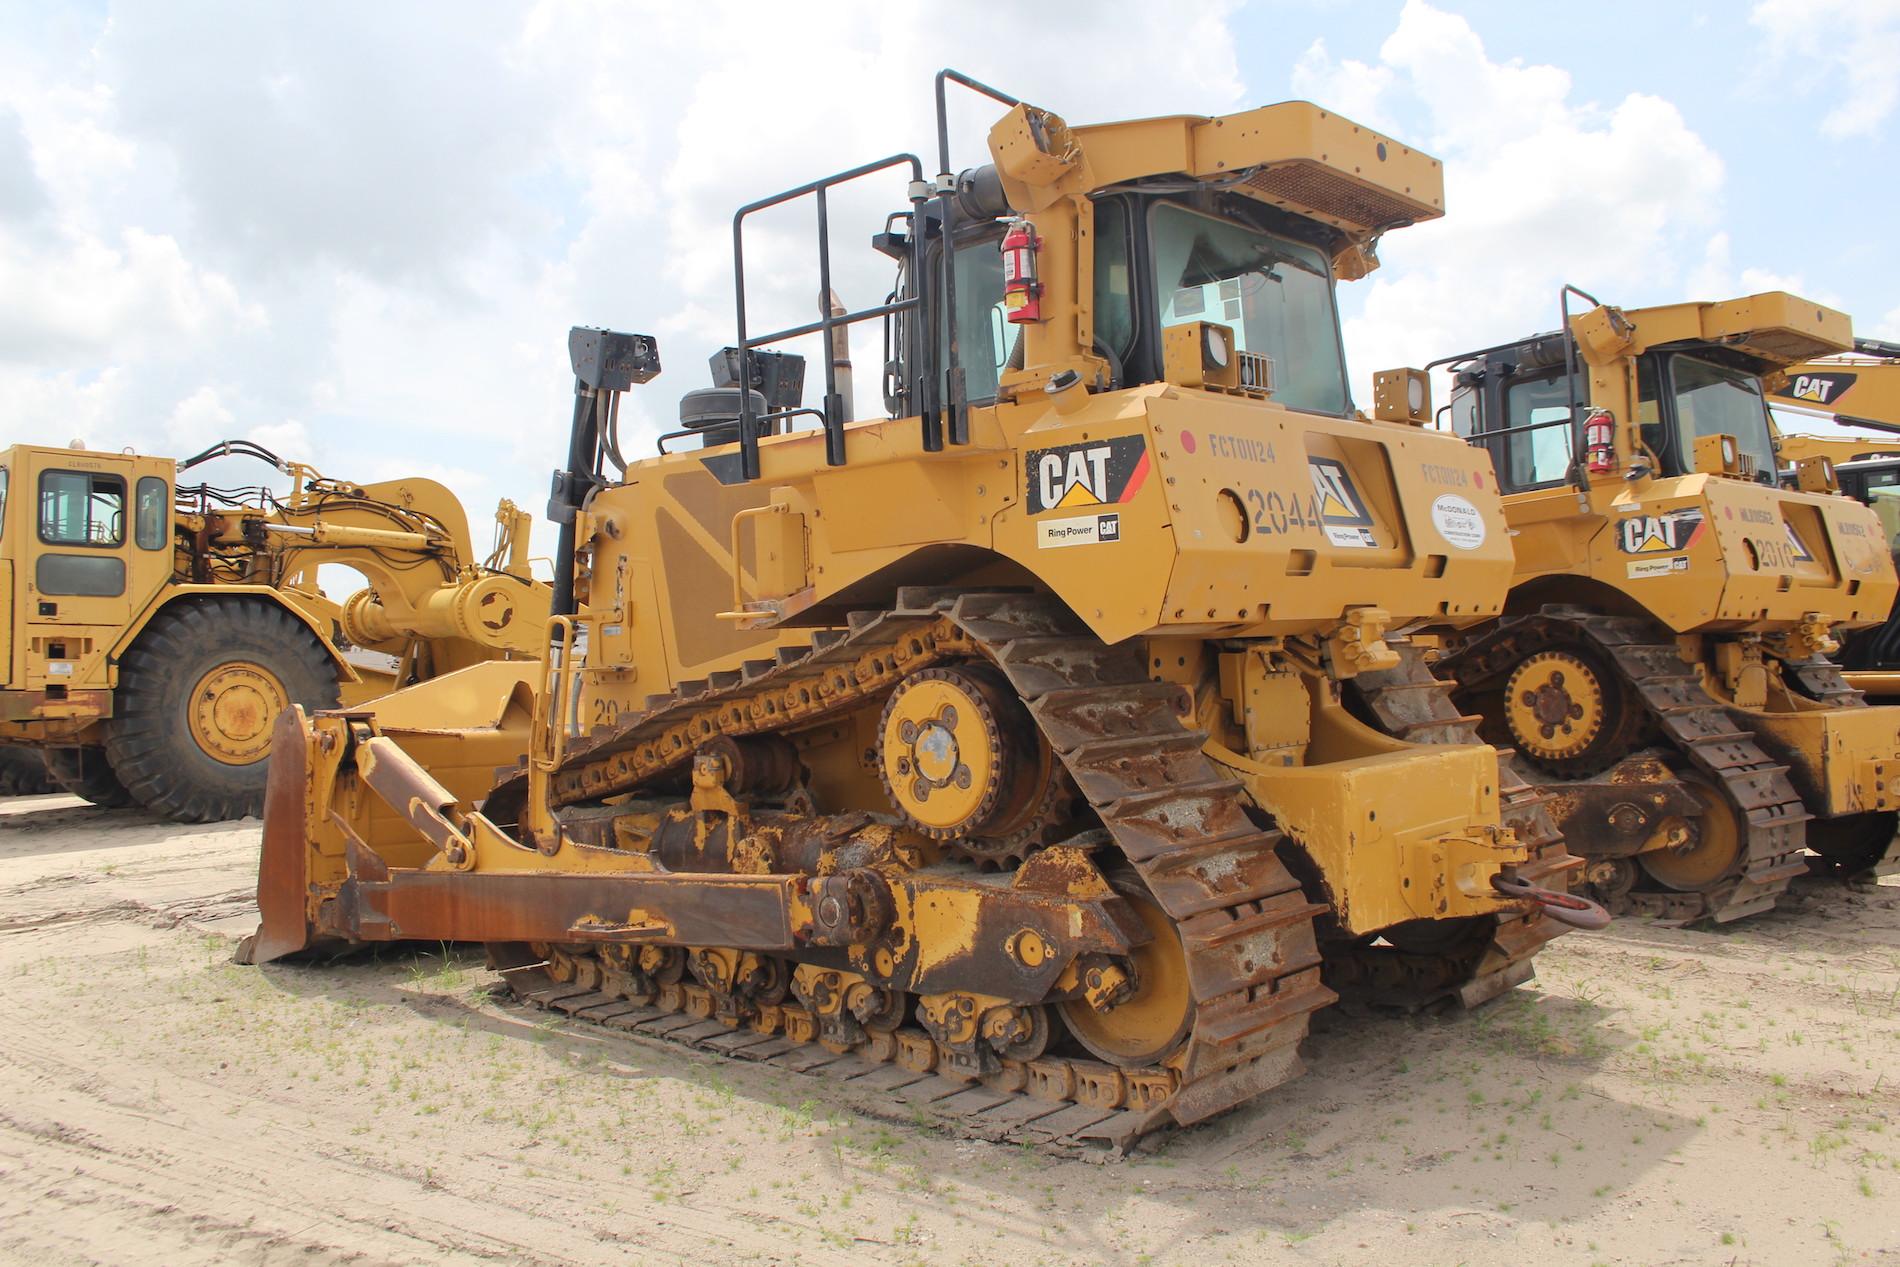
{"points": [[964, 764], [1565, 713]]}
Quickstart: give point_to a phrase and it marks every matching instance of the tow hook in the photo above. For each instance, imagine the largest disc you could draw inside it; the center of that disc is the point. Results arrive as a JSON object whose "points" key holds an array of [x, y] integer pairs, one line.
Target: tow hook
{"points": [[1565, 908]]}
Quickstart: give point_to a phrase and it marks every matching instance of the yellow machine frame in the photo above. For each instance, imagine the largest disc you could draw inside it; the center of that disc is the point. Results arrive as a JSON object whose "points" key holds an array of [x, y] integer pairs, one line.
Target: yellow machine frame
{"points": [[1184, 567], [1748, 576]]}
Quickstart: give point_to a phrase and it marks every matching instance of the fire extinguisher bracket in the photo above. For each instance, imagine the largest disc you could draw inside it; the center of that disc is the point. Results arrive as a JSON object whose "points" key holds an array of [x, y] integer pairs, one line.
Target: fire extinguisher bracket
{"points": [[1599, 441], [1022, 287]]}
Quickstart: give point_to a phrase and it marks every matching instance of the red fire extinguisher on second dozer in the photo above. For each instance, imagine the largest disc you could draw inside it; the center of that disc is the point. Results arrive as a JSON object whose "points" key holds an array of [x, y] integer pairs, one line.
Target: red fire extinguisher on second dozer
{"points": [[1022, 289], [1599, 441]]}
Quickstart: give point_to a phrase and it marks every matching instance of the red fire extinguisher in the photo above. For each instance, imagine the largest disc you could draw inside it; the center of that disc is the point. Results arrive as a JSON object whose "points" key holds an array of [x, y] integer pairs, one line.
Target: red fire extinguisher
{"points": [[1022, 291], [1599, 441]]}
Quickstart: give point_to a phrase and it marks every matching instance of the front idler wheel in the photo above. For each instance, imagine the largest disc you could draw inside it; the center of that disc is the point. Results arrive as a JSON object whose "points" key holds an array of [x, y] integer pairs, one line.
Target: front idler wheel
{"points": [[1711, 855], [1152, 1021]]}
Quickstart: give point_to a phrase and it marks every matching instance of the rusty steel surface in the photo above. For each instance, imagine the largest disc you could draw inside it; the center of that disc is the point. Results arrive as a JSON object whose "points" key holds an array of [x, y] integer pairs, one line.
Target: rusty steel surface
{"points": [[1247, 930], [1063, 1108], [1622, 809], [747, 911], [282, 877]]}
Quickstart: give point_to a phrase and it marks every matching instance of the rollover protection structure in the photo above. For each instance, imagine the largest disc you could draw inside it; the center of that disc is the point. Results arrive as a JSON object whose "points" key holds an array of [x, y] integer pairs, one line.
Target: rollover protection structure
{"points": [[1047, 739]]}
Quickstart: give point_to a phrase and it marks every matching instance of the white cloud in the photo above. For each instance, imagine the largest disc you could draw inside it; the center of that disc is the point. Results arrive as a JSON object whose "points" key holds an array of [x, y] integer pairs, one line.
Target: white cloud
{"points": [[1852, 52], [366, 230], [1717, 277], [199, 421], [97, 297], [359, 234], [1541, 189]]}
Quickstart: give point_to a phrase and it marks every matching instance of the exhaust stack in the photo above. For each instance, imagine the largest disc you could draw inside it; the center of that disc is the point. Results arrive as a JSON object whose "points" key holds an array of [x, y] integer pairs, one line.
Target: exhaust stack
{"points": [[840, 350]]}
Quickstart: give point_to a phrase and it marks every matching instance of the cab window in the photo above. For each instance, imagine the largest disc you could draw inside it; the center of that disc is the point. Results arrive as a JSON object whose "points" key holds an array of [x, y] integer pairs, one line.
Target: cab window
{"points": [[1649, 408], [3, 501], [153, 513], [1716, 400], [1274, 293], [1114, 282], [81, 509], [1539, 454], [985, 339]]}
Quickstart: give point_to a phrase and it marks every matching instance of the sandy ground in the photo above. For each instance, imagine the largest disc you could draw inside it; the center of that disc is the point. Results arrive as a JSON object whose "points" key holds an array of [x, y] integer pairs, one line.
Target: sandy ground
{"points": [[1656, 1097]]}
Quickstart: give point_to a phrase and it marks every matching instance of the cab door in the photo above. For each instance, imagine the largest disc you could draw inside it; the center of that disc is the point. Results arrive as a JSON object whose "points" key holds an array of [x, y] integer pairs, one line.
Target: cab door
{"points": [[75, 586]]}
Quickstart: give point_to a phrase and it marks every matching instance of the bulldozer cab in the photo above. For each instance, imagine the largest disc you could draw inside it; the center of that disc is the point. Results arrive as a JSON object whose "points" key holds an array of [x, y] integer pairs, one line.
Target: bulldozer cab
{"points": [[1636, 447], [85, 540], [1198, 252], [1516, 403], [1163, 262]]}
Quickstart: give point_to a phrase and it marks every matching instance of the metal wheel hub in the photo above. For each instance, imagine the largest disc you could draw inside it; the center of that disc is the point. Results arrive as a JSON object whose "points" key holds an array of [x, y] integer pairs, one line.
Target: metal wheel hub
{"points": [[1554, 705], [1613, 878], [1712, 851], [962, 761], [942, 751], [1152, 1021], [232, 710]]}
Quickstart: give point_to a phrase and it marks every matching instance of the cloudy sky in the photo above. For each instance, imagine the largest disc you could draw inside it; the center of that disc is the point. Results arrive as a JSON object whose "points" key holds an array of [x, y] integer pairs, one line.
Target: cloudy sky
{"points": [[358, 232]]}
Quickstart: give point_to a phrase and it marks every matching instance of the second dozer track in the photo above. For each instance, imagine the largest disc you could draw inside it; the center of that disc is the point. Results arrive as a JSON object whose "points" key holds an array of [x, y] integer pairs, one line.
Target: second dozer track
{"points": [[1685, 720]]}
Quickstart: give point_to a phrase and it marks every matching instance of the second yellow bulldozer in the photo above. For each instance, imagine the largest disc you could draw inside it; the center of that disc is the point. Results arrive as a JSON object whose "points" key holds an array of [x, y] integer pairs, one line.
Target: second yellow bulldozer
{"points": [[1043, 750], [1859, 390], [1661, 662]]}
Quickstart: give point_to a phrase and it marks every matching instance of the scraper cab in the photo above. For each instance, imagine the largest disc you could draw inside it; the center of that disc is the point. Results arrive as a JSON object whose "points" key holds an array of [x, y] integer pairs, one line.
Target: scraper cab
{"points": [[1052, 730]]}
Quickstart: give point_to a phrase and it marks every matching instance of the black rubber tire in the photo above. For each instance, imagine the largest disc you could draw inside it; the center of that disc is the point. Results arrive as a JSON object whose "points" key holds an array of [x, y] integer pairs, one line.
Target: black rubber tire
{"points": [[23, 773], [86, 773], [149, 740]]}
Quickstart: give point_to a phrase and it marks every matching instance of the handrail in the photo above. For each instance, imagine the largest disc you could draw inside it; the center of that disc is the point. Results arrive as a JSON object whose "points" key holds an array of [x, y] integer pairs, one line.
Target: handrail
{"points": [[833, 405], [559, 679], [1576, 475], [739, 517], [684, 432]]}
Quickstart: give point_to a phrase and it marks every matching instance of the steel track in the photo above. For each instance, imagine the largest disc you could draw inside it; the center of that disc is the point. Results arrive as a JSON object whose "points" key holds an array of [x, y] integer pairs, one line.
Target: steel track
{"points": [[1694, 725], [1182, 824]]}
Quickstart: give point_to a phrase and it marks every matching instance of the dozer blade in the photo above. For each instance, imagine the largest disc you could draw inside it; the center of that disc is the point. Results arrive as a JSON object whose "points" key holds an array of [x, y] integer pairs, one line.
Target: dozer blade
{"points": [[284, 882], [460, 728]]}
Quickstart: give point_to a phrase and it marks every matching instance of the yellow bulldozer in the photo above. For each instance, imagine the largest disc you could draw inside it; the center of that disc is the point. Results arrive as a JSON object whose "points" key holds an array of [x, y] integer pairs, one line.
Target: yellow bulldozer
{"points": [[1043, 749], [1859, 390], [1661, 661], [150, 632]]}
